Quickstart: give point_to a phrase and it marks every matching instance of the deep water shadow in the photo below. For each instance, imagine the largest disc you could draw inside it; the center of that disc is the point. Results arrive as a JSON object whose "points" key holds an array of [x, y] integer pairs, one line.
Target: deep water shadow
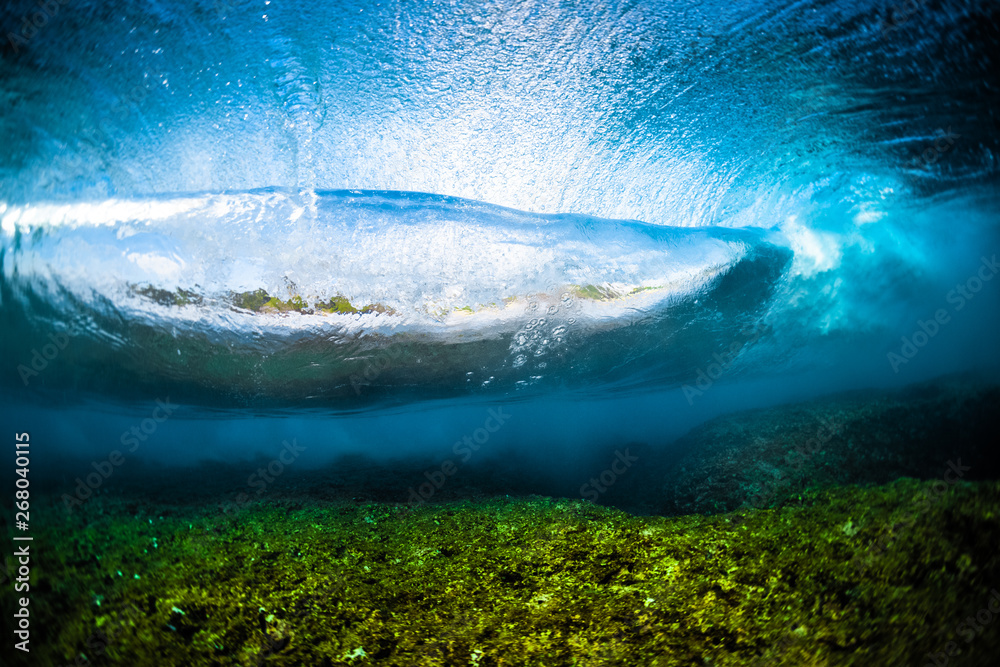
{"points": [[945, 429]]}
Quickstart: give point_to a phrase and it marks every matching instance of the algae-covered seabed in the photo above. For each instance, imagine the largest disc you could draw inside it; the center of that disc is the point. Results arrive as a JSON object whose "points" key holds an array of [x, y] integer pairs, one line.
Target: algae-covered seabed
{"points": [[843, 575], [529, 581]]}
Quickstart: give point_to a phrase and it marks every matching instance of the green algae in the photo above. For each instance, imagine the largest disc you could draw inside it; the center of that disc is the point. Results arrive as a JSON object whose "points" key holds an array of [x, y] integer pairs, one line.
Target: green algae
{"points": [[342, 305], [274, 304], [515, 581], [178, 297], [604, 292], [377, 308], [249, 300], [588, 292], [593, 292], [259, 301], [337, 304]]}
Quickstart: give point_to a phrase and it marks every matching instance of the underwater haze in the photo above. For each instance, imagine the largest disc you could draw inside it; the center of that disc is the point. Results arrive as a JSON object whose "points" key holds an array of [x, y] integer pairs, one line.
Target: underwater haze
{"points": [[389, 264]]}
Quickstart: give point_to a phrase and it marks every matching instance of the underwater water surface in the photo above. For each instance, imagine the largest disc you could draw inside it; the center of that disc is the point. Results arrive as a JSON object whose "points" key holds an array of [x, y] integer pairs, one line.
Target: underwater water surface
{"points": [[500, 332]]}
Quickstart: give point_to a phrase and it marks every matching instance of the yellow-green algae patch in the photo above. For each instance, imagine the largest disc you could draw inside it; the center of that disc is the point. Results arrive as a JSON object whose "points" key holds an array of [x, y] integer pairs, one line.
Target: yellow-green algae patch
{"points": [[342, 305], [606, 292], [259, 301], [600, 293], [250, 300], [274, 304], [593, 292], [337, 304], [529, 581]]}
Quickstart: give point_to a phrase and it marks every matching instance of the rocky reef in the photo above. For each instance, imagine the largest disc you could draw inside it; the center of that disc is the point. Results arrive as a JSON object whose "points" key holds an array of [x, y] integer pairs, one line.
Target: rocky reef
{"points": [[852, 576], [765, 458]]}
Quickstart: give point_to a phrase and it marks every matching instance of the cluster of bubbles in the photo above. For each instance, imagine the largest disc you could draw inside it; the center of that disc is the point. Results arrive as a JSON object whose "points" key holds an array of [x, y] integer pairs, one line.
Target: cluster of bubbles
{"points": [[555, 314]]}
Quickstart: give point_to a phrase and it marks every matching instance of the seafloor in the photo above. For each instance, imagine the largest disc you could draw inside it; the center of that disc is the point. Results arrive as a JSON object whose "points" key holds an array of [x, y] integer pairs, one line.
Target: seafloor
{"points": [[862, 529]]}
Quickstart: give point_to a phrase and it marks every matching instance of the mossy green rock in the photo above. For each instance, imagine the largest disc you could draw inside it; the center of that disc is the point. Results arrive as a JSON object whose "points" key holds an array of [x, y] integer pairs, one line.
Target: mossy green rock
{"points": [[177, 297], [764, 458], [527, 581], [260, 301], [250, 300]]}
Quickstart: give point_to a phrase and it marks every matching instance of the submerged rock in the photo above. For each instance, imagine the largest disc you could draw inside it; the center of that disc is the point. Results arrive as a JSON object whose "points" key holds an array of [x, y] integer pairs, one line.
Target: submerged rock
{"points": [[854, 577], [940, 430]]}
